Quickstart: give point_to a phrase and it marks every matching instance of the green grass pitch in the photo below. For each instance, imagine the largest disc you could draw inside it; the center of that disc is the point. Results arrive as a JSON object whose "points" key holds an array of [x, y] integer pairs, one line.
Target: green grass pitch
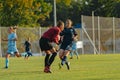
{"points": [[87, 67]]}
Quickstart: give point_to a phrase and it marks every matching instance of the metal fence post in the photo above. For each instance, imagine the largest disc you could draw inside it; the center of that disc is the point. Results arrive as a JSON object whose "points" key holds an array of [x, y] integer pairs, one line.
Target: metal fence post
{"points": [[93, 29], [0, 43], [99, 35], [113, 35]]}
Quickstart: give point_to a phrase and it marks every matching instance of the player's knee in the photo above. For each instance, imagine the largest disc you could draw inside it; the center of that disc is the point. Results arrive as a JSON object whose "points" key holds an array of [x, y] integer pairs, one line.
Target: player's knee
{"points": [[60, 57]]}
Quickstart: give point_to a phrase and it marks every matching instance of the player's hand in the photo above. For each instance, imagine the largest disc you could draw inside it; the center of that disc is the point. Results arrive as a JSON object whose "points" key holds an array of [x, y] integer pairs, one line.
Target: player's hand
{"points": [[59, 42], [3, 39], [56, 46], [75, 39]]}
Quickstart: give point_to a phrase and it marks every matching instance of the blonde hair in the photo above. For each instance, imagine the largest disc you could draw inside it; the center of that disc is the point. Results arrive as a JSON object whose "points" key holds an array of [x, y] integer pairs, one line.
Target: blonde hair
{"points": [[13, 28]]}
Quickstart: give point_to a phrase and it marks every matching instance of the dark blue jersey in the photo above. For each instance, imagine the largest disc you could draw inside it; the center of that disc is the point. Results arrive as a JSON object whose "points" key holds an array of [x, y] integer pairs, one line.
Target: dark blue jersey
{"points": [[68, 35], [27, 46]]}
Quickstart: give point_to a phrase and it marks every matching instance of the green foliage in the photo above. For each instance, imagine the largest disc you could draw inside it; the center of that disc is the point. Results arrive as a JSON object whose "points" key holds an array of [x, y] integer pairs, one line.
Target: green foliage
{"points": [[107, 8], [72, 10], [65, 2], [34, 12], [112, 7], [23, 12]]}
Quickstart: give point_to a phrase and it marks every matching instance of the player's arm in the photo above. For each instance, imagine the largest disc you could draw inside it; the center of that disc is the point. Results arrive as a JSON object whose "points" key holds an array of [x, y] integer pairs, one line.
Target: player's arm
{"points": [[30, 46], [62, 33], [75, 35], [56, 37], [15, 39], [4, 39]]}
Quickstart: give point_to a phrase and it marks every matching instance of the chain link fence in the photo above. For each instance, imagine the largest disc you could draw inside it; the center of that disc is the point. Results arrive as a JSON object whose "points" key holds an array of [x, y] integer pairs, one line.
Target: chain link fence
{"points": [[23, 34], [99, 35], [104, 33]]}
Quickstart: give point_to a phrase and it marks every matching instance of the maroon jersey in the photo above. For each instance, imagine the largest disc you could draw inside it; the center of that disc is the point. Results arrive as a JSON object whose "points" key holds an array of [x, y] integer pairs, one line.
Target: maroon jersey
{"points": [[52, 34]]}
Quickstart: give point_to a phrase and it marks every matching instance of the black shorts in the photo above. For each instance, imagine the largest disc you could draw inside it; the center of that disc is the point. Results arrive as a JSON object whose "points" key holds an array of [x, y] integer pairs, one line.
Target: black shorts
{"points": [[45, 44]]}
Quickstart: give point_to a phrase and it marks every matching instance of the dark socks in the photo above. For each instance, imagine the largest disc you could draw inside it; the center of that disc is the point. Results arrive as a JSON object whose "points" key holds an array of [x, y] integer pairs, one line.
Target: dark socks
{"points": [[64, 59], [52, 58], [47, 59], [6, 63], [25, 55]]}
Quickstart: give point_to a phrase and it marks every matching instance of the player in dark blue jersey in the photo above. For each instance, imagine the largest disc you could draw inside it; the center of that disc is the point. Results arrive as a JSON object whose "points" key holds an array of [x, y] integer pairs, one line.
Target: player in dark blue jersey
{"points": [[68, 35], [27, 45]]}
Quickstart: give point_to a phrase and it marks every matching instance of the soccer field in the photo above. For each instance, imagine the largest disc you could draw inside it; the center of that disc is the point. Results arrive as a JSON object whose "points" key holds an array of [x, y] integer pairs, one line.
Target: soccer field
{"points": [[87, 67]]}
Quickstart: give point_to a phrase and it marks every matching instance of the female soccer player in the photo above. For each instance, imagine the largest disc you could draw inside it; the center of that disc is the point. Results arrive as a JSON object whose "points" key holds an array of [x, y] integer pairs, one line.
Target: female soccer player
{"points": [[68, 34], [45, 42], [74, 49], [12, 48], [27, 45]]}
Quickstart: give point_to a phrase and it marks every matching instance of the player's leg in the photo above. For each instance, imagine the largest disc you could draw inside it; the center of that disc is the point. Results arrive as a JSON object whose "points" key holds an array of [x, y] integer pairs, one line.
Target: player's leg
{"points": [[61, 55], [29, 54], [46, 46], [25, 56], [17, 54], [49, 59], [46, 61], [71, 54], [65, 58], [53, 53], [52, 58], [7, 60], [76, 52]]}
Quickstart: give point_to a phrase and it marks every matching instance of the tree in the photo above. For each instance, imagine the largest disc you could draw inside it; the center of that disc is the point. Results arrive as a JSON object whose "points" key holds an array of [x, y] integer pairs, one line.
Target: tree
{"points": [[112, 7], [23, 12], [73, 9], [62, 11]]}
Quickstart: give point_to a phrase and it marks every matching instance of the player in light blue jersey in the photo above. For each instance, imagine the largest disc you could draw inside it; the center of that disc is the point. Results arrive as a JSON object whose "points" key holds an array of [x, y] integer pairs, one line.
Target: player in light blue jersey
{"points": [[12, 48], [74, 49]]}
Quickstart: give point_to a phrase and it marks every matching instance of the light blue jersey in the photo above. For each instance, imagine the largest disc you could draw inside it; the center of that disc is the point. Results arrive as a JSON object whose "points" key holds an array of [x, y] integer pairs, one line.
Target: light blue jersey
{"points": [[11, 43], [74, 45]]}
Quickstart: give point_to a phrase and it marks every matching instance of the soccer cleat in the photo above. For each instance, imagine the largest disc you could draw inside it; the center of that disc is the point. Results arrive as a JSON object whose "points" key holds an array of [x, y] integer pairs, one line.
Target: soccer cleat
{"points": [[77, 57], [47, 69], [6, 67], [71, 57], [68, 65], [60, 65]]}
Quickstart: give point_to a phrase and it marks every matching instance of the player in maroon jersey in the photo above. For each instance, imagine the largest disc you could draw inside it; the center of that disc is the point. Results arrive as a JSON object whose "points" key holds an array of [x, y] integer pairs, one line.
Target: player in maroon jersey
{"points": [[45, 42]]}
